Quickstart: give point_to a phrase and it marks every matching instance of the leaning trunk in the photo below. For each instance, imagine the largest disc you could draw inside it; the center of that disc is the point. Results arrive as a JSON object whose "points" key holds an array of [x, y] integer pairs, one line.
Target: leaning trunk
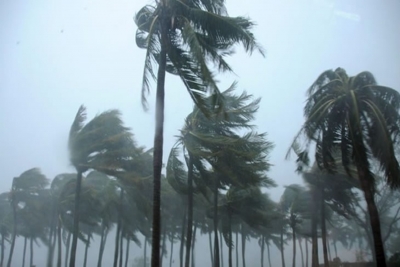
{"points": [[216, 245], [118, 234], [24, 252], [282, 248], [145, 252], [59, 244], [127, 252], [323, 229], [193, 244], [373, 216], [211, 248], [221, 244], [171, 252], [190, 211], [14, 234], [158, 144], [306, 252], [294, 247], [121, 250], [269, 256], [101, 249], [301, 251], [31, 254], [181, 250], [314, 209], [86, 251], [262, 251], [76, 219], [243, 246], [67, 248]]}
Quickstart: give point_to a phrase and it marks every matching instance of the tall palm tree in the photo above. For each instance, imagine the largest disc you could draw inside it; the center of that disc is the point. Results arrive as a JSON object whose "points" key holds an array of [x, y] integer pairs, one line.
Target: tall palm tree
{"points": [[183, 37], [101, 144], [363, 119]]}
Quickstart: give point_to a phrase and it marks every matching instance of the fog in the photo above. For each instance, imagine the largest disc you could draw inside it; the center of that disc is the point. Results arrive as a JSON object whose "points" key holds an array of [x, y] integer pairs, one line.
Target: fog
{"points": [[58, 55]]}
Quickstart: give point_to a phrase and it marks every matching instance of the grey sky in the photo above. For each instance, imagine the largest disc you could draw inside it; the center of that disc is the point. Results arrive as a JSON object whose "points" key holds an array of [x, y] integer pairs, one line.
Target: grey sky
{"points": [[57, 55]]}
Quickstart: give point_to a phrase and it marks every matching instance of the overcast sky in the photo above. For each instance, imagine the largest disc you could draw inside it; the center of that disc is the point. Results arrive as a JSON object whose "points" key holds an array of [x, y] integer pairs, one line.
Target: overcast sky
{"points": [[57, 55]]}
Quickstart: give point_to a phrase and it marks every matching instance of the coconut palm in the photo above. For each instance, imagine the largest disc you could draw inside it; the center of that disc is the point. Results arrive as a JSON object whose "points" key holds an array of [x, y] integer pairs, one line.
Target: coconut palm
{"points": [[25, 188], [363, 118], [100, 144], [183, 37]]}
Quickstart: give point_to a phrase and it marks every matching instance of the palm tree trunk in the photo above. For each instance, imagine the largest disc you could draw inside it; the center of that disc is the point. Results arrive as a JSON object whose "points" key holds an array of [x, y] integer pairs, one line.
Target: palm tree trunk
{"points": [[14, 234], [190, 211], [314, 209], [59, 250], [221, 244], [31, 253], [216, 245], [171, 252], [2, 249], [269, 255], [262, 251], [67, 248], [100, 257], [334, 246], [301, 252], [230, 240], [323, 229], [86, 250], [24, 252], [373, 217], [182, 247], [76, 219], [329, 250], [237, 248], [121, 250], [193, 244], [164, 235], [145, 253], [117, 237], [306, 252], [294, 247], [50, 253], [282, 248], [158, 145], [243, 247], [127, 252], [211, 248]]}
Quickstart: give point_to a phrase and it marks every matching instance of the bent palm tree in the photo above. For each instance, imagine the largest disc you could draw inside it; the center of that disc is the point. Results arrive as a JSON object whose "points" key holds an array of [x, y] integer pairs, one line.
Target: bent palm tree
{"points": [[182, 37], [361, 118], [102, 144]]}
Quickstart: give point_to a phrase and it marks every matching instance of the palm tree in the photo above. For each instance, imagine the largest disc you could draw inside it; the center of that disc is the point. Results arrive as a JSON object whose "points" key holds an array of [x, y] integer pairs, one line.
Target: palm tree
{"points": [[24, 188], [183, 37], [101, 145], [363, 119], [5, 222]]}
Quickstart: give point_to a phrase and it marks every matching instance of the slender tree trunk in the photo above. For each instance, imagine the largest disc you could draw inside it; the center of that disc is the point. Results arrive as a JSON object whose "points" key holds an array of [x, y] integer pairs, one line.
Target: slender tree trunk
{"points": [[373, 217], [314, 260], [329, 250], [193, 245], [24, 252], [86, 250], [269, 255], [294, 247], [145, 253], [14, 233], [243, 247], [158, 145], [323, 228], [164, 235], [211, 248], [118, 233], [237, 248], [182, 247], [171, 252], [76, 219], [301, 251], [216, 245], [262, 251], [221, 244], [67, 248], [121, 249], [50, 254], [127, 252], [31, 253], [306, 252], [59, 250], [2, 249], [230, 240], [100, 257], [334, 246], [282, 247], [190, 211]]}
